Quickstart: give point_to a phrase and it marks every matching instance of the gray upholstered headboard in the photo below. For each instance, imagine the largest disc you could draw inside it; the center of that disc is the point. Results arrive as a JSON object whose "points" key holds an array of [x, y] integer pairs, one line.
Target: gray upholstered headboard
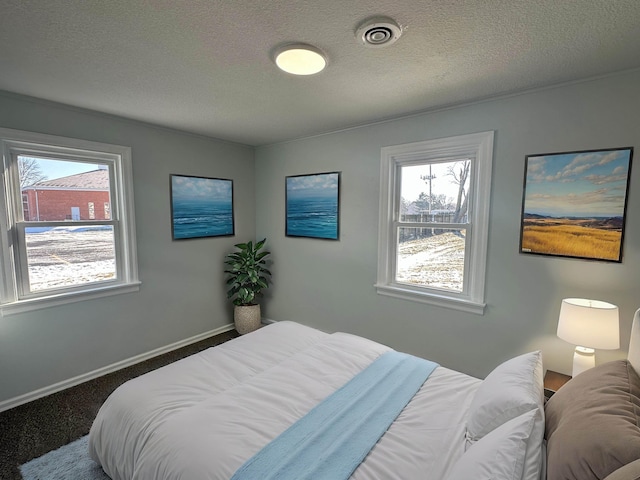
{"points": [[634, 343]]}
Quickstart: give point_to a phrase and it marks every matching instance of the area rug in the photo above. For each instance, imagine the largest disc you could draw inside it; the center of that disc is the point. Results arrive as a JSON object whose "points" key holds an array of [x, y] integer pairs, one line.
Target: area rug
{"points": [[69, 462]]}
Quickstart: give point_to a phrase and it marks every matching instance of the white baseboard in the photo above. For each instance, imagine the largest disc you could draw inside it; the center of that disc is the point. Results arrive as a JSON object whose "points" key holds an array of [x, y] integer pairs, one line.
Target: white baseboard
{"points": [[72, 382]]}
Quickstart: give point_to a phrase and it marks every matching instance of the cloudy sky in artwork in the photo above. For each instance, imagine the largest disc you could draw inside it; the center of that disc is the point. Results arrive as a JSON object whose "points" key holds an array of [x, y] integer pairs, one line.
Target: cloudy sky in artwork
{"points": [[194, 188], [584, 184], [320, 185]]}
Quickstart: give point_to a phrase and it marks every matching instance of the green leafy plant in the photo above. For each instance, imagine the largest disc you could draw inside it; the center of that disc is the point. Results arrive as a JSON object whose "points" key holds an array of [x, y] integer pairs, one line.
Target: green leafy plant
{"points": [[247, 271]]}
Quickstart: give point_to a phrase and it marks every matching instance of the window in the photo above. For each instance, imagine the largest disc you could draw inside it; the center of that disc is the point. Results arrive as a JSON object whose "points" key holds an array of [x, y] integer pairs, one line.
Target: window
{"points": [[56, 246], [434, 220]]}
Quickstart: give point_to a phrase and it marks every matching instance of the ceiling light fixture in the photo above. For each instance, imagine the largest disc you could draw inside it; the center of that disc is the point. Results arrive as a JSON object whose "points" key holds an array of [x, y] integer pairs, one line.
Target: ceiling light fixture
{"points": [[300, 59]]}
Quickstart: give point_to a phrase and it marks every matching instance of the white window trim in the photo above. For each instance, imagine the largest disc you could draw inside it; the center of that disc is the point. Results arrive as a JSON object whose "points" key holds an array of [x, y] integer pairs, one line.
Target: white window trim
{"points": [[478, 146], [119, 157]]}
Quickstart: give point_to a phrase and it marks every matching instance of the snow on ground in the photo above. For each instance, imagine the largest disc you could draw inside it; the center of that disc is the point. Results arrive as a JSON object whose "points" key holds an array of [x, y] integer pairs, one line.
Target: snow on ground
{"points": [[61, 257], [436, 261]]}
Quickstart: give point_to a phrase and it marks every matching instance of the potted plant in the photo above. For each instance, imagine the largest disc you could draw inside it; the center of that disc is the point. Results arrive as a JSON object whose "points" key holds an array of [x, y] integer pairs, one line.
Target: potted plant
{"points": [[248, 276]]}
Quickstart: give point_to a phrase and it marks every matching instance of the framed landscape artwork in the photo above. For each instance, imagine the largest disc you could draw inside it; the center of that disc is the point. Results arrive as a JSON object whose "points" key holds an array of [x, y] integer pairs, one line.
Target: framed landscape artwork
{"points": [[574, 204], [313, 205], [201, 207]]}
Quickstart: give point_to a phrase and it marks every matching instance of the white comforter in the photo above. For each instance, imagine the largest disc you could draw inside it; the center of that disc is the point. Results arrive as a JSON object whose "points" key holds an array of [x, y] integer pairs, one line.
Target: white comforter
{"points": [[202, 417]]}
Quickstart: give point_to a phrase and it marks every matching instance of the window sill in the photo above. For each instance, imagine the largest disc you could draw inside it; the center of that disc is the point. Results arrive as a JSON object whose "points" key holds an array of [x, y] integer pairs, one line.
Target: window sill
{"points": [[431, 298], [22, 306]]}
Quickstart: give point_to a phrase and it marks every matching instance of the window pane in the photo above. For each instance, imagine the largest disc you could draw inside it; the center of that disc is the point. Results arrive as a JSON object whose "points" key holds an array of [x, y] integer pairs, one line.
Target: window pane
{"points": [[56, 190], [435, 192], [431, 257], [66, 256]]}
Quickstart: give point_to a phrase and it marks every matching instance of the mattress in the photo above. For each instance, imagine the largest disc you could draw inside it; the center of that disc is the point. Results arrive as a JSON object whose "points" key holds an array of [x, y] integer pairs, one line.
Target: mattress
{"points": [[204, 416]]}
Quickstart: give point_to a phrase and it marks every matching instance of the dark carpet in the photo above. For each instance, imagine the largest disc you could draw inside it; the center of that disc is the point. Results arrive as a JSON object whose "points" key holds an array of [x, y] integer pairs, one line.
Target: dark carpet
{"points": [[33, 429]]}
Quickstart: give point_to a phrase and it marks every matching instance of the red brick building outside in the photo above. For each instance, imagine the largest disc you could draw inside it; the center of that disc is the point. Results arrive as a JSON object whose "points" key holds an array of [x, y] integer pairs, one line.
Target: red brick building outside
{"points": [[84, 196]]}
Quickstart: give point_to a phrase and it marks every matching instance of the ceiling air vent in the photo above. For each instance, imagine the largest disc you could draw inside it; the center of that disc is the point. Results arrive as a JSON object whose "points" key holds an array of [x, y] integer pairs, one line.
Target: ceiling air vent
{"points": [[378, 32]]}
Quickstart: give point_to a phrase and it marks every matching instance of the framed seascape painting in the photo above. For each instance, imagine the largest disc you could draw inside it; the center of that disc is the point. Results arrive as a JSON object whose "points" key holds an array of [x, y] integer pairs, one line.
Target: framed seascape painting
{"points": [[574, 204], [313, 205], [201, 207]]}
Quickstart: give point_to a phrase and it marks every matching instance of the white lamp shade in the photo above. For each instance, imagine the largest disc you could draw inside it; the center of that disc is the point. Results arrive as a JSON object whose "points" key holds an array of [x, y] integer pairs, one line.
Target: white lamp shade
{"points": [[589, 323]]}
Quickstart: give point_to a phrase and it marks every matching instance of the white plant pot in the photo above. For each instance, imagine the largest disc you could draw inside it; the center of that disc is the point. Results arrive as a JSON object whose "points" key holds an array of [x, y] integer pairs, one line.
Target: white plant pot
{"points": [[246, 318]]}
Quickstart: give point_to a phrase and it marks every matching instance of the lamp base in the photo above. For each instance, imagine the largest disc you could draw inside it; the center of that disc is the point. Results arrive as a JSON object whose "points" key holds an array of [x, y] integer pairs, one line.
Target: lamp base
{"points": [[583, 359]]}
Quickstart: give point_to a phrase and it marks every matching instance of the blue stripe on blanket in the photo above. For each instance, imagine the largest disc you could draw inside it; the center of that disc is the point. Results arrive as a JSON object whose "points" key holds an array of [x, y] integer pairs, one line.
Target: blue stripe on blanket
{"points": [[332, 439]]}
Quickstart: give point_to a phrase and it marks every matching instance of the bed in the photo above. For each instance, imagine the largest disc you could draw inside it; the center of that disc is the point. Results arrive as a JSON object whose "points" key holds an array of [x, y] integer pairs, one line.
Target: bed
{"points": [[210, 415]]}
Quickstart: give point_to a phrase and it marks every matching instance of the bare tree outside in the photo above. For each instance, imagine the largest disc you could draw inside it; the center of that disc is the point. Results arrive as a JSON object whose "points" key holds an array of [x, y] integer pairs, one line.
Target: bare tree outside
{"points": [[30, 171], [460, 174], [437, 202]]}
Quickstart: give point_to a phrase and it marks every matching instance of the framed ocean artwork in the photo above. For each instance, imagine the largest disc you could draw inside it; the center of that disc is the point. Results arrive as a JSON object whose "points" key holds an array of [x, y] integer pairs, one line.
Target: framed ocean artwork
{"points": [[313, 206], [201, 207], [574, 204]]}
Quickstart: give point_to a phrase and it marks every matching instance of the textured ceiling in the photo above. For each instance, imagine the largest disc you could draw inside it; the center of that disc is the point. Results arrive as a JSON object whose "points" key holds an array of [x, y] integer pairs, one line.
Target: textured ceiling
{"points": [[205, 66]]}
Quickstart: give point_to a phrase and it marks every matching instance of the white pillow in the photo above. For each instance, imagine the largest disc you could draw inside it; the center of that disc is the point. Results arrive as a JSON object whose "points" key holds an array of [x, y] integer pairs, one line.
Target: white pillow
{"points": [[511, 389], [534, 456], [500, 455]]}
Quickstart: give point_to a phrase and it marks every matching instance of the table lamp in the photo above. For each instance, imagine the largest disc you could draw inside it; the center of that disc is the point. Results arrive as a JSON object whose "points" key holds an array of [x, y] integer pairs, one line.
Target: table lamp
{"points": [[588, 324]]}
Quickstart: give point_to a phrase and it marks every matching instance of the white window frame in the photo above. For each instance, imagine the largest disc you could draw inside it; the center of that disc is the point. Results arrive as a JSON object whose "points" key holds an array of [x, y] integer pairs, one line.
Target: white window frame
{"points": [[15, 296], [478, 147]]}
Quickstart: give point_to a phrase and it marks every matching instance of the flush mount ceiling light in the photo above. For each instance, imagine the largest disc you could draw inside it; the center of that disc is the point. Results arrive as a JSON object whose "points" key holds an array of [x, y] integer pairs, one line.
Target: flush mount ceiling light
{"points": [[378, 32], [300, 59]]}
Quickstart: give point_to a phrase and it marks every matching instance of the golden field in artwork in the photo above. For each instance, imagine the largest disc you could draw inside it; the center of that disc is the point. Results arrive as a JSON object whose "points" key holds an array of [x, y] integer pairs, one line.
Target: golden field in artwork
{"points": [[586, 238]]}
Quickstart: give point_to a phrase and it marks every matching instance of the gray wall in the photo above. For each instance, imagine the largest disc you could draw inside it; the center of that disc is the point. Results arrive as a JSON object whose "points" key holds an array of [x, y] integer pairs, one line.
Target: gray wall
{"points": [[182, 292], [329, 285]]}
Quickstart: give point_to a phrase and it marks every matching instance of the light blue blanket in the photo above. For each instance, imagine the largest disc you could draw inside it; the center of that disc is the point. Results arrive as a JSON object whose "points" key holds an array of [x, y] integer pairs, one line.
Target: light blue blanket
{"points": [[330, 441]]}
